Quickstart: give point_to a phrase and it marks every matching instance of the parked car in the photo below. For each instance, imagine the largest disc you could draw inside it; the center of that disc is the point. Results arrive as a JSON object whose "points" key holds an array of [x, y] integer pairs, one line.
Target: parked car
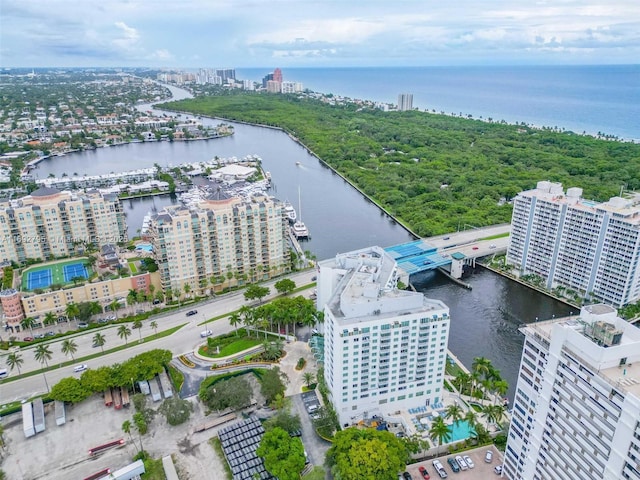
{"points": [[460, 461], [4, 373], [83, 325], [206, 333], [424, 473], [80, 368], [49, 334], [453, 464], [439, 469], [102, 320], [498, 469], [488, 457], [28, 339], [190, 313], [295, 433], [39, 335], [467, 459], [407, 476]]}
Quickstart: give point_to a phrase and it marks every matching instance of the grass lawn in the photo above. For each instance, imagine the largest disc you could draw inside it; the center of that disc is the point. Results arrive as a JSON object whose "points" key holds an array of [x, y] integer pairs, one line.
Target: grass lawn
{"points": [[229, 349], [132, 266], [493, 237]]}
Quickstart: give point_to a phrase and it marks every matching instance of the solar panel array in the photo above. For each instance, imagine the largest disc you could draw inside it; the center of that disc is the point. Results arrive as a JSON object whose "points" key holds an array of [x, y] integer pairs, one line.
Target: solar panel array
{"points": [[239, 443]]}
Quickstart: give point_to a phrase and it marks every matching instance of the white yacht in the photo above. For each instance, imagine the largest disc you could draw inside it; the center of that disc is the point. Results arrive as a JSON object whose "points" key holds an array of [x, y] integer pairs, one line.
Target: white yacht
{"points": [[299, 229], [290, 212]]}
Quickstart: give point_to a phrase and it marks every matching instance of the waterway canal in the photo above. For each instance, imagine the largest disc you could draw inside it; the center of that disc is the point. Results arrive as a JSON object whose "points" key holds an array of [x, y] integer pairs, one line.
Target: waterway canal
{"points": [[485, 319]]}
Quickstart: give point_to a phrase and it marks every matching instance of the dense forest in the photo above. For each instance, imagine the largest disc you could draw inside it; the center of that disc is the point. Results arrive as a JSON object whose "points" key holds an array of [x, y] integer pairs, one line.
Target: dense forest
{"points": [[434, 172]]}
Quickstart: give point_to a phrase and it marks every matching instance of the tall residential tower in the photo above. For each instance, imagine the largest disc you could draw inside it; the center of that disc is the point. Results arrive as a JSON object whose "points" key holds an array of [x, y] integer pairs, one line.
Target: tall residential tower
{"points": [[588, 247], [385, 349], [576, 412]]}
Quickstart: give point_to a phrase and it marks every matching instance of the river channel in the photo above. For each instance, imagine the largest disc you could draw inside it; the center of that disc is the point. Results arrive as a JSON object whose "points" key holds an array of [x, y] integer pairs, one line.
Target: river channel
{"points": [[485, 319]]}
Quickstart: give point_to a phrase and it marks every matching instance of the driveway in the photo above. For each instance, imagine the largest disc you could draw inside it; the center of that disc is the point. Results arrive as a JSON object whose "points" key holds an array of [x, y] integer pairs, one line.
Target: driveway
{"points": [[315, 446]]}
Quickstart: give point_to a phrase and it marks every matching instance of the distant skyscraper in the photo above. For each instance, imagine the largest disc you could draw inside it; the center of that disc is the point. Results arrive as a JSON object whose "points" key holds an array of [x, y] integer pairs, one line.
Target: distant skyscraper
{"points": [[405, 101], [577, 402], [266, 78], [277, 75]]}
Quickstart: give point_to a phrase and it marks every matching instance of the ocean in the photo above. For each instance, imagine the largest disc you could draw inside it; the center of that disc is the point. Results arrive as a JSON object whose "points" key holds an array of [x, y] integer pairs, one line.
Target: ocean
{"points": [[583, 99]]}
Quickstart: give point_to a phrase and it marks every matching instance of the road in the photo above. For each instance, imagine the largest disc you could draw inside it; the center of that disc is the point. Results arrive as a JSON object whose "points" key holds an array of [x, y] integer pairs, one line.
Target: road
{"points": [[183, 341]]}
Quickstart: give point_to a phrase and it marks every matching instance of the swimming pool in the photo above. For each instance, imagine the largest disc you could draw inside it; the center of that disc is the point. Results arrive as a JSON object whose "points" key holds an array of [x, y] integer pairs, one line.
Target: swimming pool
{"points": [[147, 247], [461, 430]]}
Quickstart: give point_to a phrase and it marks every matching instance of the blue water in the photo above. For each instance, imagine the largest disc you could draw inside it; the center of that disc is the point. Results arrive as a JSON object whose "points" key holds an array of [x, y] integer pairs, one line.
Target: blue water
{"points": [[460, 430], [588, 99]]}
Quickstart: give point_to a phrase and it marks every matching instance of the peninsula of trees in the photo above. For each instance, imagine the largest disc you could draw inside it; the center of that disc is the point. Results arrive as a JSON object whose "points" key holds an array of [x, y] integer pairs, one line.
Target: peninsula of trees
{"points": [[435, 172]]}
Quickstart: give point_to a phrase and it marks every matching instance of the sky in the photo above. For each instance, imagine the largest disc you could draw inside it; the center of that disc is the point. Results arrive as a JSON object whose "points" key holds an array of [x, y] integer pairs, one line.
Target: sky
{"points": [[323, 33]]}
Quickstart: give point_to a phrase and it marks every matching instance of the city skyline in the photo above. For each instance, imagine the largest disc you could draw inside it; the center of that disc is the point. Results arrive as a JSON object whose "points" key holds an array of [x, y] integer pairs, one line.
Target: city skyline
{"points": [[254, 34]]}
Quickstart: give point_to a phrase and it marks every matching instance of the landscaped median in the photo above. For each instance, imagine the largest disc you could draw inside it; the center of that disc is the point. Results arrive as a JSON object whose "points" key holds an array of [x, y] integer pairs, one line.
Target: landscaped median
{"points": [[186, 362]]}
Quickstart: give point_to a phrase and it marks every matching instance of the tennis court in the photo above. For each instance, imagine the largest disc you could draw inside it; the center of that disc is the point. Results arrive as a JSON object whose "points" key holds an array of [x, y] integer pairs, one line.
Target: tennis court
{"points": [[60, 273], [39, 279], [75, 270]]}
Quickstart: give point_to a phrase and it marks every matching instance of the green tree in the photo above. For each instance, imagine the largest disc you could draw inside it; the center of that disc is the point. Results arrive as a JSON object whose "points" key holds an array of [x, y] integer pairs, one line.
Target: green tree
{"points": [[137, 324], [72, 311], [234, 321], [366, 454], [176, 410], [126, 428], [99, 340], [154, 325], [124, 332], [232, 393], [49, 318], [69, 347], [132, 296], [285, 420], [43, 355], [308, 378], [98, 379], [454, 412], [28, 323], [283, 455], [69, 389], [14, 360], [272, 384], [439, 431], [256, 292], [285, 286], [114, 306]]}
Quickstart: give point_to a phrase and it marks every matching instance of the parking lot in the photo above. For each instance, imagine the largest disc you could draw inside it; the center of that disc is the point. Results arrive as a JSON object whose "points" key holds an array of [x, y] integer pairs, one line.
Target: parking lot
{"points": [[481, 470]]}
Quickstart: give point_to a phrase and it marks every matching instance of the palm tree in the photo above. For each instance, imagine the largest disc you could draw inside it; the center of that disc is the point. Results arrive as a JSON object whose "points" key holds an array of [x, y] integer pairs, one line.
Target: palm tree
{"points": [[187, 288], [126, 428], [248, 317], [14, 360], [137, 324], [482, 366], [99, 340], [439, 431], [308, 378], [454, 413], [471, 418], [28, 323], [95, 308], [462, 382], [69, 347], [234, 321], [124, 332], [72, 310], [43, 355], [132, 296], [49, 318], [154, 325]]}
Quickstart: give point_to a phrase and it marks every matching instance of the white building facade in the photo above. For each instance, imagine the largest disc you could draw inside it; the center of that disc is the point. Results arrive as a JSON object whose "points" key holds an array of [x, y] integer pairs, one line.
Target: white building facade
{"points": [[385, 349], [576, 412], [590, 248]]}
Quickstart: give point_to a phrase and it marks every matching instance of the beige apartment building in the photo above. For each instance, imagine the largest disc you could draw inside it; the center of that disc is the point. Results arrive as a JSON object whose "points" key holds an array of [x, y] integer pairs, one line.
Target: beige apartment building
{"points": [[220, 240], [19, 305], [51, 223]]}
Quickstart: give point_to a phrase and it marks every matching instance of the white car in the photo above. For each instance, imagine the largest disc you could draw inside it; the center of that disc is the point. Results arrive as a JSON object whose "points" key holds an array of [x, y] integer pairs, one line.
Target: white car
{"points": [[467, 459], [488, 457], [206, 333], [80, 368], [462, 463]]}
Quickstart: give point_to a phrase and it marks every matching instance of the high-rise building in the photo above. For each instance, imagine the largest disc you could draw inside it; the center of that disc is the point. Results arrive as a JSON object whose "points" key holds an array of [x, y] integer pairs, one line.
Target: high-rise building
{"points": [[589, 248], [384, 349], [291, 87], [277, 75], [51, 223], [273, 86], [576, 412], [220, 241], [226, 74], [405, 102]]}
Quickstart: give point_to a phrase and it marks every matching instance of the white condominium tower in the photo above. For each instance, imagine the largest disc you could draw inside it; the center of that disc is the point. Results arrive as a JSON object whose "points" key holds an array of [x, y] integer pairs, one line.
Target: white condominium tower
{"points": [[590, 248], [405, 102], [385, 349], [576, 412], [219, 241]]}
